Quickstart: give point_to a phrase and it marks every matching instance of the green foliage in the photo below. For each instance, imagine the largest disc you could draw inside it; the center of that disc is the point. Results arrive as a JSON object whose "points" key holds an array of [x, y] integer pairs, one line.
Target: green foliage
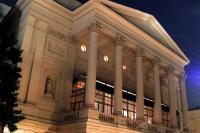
{"points": [[10, 56]]}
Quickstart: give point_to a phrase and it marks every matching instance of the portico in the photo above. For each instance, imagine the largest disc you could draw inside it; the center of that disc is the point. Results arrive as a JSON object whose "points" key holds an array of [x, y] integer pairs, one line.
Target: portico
{"points": [[141, 75]]}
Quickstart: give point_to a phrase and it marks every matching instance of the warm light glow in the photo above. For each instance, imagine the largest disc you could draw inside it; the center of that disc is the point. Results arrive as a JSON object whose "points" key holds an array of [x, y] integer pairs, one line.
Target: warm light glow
{"points": [[83, 48], [149, 121], [105, 58], [124, 67]]}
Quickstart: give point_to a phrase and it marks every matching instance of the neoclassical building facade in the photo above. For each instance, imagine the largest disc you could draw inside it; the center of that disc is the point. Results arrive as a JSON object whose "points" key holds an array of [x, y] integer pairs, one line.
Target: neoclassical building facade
{"points": [[101, 67]]}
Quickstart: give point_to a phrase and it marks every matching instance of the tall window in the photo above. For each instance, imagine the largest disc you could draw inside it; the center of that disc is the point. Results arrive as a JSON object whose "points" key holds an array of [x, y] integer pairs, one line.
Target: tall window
{"points": [[104, 102], [128, 109], [78, 94], [148, 113], [166, 118]]}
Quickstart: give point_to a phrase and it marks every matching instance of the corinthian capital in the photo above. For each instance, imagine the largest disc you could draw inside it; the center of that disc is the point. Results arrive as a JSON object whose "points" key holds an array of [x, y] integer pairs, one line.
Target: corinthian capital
{"points": [[170, 69], [118, 40], [156, 60], [95, 26], [73, 39], [139, 51]]}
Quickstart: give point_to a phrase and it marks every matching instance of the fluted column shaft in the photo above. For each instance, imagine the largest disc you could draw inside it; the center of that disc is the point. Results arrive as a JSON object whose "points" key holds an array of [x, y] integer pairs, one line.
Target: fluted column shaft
{"points": [[94, 29], [118, 42], [139, 85], [172, 98], [184, 102], [157, 111]]}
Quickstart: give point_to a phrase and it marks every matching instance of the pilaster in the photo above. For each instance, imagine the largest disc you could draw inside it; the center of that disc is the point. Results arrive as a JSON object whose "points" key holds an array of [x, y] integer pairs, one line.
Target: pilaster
{"points": [[39, 40]]}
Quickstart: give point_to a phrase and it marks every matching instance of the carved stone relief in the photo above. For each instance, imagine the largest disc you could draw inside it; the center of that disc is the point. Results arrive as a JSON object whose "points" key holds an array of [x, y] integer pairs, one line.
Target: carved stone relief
{"points": [[56, 49]]}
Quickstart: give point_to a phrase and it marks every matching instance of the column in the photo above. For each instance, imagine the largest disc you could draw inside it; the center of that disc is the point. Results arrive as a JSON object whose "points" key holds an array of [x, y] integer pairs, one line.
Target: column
{"points": [[179, 106], [94, 29], [172, 97], [157, 111], [184, 103], [118, 42], [139, 85]]}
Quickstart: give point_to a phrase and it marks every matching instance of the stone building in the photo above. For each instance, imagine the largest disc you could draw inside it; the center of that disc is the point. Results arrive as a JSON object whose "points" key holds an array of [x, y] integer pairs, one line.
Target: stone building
{"points": [[98, 67]]}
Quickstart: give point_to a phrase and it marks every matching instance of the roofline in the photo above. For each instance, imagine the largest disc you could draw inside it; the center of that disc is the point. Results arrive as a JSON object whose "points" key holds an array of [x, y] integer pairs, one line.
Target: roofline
{"points": [[150, 18]]}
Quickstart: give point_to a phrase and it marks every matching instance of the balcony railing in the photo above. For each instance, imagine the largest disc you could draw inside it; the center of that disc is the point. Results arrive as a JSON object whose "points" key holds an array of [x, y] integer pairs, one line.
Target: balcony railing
{"points": [[113, 120]]}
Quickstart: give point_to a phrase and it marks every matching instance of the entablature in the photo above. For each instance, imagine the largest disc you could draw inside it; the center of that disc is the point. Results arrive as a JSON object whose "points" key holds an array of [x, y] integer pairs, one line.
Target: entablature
{"points": [[113, 23]]}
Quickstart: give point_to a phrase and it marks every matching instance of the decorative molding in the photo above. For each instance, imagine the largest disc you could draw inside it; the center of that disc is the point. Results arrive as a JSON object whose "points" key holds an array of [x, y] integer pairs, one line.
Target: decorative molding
{"points": [[139, 51], [119, 40], [56, 49], [156, 60], [73, 39], [170, 69], [57, 34], [42, 26], [95, 26], [106, 118]]}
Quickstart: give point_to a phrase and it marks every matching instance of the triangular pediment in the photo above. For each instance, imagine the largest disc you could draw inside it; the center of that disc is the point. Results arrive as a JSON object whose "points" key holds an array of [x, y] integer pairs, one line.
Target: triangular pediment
{"points": [[147, 23]]}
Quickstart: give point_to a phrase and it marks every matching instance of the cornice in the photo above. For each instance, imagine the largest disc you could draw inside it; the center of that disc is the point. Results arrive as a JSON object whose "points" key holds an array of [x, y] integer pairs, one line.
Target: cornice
{"points": [[149, 42]]}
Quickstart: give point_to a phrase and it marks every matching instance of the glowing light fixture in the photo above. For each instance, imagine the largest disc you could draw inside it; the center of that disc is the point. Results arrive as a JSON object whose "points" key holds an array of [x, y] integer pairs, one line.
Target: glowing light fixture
{"points": [[149, 121], [124, 67], [83, 48], [105, 58]]}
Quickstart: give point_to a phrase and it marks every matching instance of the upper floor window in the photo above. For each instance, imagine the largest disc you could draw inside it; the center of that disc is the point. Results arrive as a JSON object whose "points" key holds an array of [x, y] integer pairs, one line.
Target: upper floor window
{"points": [[129, 109], [104, 102], [78, 95]]}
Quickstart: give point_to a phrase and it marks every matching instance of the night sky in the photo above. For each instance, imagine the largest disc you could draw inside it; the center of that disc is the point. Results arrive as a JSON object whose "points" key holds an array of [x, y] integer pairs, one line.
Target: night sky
{"points": [[181, 19]]}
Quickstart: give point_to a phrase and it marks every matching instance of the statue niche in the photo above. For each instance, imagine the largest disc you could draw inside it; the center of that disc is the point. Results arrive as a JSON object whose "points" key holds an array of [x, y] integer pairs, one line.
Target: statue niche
{"points": [[49, 88]]}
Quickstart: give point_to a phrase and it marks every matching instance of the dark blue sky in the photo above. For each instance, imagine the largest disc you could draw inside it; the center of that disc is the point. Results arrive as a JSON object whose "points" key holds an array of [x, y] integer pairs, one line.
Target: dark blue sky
{"points": [[181, 19]]}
